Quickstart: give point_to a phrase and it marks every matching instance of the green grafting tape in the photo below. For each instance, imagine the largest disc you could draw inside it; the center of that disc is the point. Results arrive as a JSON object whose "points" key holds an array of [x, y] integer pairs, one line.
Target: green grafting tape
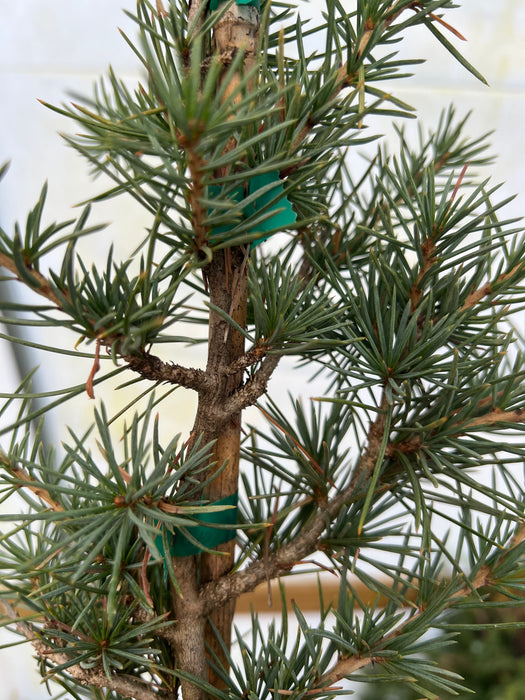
{"points": [[214, 4], [283, 214], [236, 196], [208, 537]]}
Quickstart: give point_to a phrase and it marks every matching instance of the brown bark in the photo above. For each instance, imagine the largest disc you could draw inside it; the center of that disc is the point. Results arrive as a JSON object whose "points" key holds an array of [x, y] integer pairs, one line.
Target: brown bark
{"points": [[227, 279], [225, 346]]}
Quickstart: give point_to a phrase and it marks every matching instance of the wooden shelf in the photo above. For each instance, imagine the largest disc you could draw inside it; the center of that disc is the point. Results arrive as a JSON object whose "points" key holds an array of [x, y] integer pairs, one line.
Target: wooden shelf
{"points": [[305, 593]]}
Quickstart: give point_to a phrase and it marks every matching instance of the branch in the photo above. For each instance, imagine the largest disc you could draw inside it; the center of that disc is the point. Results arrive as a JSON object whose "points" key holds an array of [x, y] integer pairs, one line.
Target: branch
{"points": [[254, 388], [218, 592], [428, 250], [474, 297], [367, 463], [30, 483], [493, 417], [496, 416], [147, 365], [344, 78], [152, 367], [42, 285], [251, 357], [345, 666], [428, 247], [128, 687]]}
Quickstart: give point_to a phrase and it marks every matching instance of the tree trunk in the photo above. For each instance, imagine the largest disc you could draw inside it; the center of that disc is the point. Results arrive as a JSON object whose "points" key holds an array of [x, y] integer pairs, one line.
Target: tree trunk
{"points": [[226, 277], [237, 30], [227, 280], [225, 346]]}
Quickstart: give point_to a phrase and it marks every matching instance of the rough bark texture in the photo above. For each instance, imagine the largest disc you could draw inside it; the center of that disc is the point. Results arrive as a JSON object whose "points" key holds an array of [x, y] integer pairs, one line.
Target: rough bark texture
{"points": [[225, 346], [226, 277], [227, 281]]}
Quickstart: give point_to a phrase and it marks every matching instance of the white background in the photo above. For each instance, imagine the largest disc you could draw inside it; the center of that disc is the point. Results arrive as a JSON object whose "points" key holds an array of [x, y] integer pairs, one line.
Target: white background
{"points": [[49, 48]]}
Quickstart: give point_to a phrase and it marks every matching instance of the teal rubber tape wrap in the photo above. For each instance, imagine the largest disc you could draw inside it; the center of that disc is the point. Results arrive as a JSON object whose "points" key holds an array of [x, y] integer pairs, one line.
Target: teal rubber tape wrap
{"points": [[214, 4], [208, 537], [271, 188]]}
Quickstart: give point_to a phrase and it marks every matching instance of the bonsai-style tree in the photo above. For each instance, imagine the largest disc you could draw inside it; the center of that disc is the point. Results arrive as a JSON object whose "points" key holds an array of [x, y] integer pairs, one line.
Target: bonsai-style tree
{"points": [[395, 284]]}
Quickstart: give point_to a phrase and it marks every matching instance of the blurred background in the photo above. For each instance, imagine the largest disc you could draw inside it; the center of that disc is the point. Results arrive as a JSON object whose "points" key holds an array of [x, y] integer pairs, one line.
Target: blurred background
{"points": [[49, 50]]}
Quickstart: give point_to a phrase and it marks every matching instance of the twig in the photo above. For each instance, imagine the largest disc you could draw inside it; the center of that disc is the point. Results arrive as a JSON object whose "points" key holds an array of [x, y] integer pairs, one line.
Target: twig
{"points": [[297, 444], [44, 287], [152, 367], [147, 365], [496, 416], [345, 79], [367, 463], [251, 357], [345, 666], [29, 483], [22, 626], [474, 297], [219, 592], [254, 388], [127, 687], [428, 247]]}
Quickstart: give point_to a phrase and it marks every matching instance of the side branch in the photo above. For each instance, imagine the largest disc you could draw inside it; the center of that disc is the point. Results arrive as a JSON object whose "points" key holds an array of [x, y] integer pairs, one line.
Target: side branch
{"points": [[344, 78], [218, 592], [152, 367], [127, 687], [487, 289], [347, 665], [492, 417], [254, 388], [367, 463], [251, 357], [26, 481], [39, 284], [148, 366]]}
